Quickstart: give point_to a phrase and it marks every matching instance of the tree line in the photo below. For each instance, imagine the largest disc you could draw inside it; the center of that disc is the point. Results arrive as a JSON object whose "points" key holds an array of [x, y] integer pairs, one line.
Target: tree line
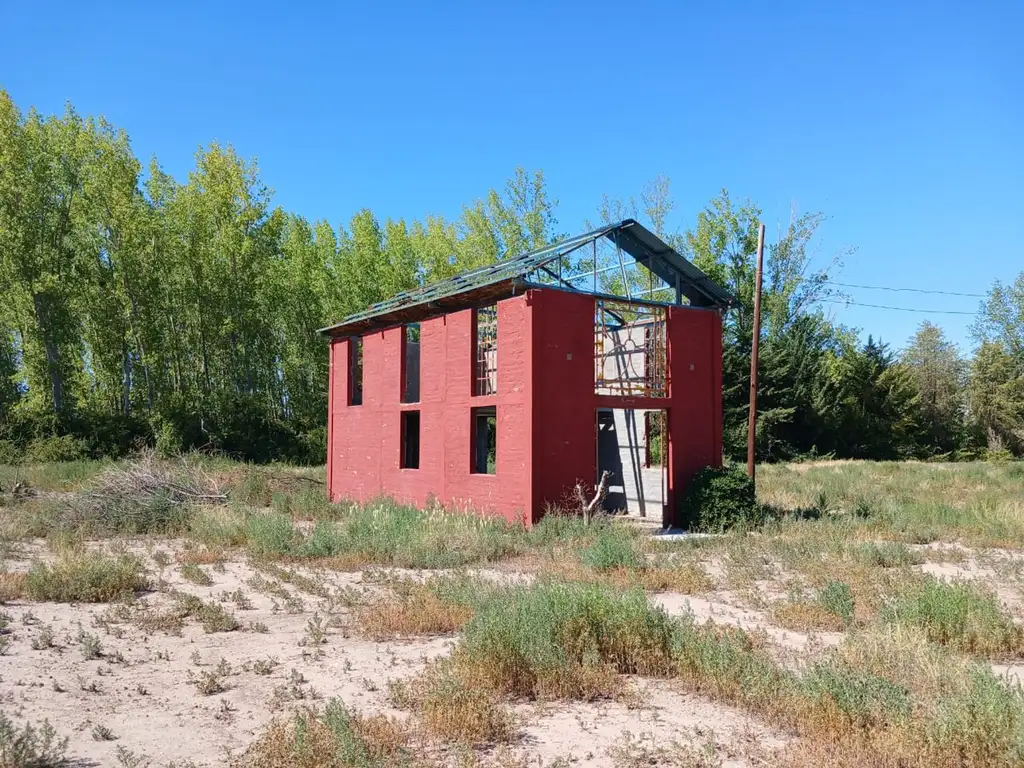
{"points": [[142, 309]]}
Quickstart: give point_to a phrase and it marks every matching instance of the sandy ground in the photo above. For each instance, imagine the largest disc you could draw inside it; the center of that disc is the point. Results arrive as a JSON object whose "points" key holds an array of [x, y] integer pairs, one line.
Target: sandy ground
{"points": [[141, 693]]}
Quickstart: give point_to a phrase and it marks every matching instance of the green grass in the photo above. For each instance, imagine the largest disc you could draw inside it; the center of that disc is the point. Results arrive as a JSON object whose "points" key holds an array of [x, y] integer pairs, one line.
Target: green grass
{"points": [[381, 533], [553, 640], [977, 502], [85, 577], [52, 476], [612, 547], [960, 615]]}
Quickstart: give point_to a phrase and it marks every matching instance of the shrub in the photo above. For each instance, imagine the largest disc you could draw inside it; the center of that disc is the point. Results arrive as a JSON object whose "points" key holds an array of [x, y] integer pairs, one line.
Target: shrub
{"points": [[30, 746], [612, 547], [453, 710], [437, 606], [45, 450], [564, 641], [718, 499], [959, 615], [334, 738], [272, 534], [85, 577], [837, 598], [887, 554]]}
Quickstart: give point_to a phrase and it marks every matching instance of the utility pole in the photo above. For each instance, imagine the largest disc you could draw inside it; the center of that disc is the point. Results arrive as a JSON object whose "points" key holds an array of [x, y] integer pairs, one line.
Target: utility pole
{"points": [[752, 422]]}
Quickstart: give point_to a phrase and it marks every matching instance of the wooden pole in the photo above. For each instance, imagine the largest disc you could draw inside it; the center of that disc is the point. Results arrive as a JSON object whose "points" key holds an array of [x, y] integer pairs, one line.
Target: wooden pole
{"points": [[752, 421]]}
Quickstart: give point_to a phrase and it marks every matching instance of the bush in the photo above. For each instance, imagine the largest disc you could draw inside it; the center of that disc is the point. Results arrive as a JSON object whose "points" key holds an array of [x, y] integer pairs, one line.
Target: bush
{"points": [[334, 738], [960, 615], [44, 450], [564, 641], [85, 577], [613, 547], [30, 745], [718, 499]]}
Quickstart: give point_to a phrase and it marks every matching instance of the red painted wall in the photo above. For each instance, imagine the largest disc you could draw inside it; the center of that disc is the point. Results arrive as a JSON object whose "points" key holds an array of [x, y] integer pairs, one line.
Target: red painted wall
{"points": [[565, 404], [546, 408], [365, 441]]}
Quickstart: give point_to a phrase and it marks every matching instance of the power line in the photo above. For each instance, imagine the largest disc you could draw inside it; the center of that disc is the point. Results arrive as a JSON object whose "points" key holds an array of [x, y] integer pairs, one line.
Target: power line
{"points": [[898, 309], [910, 290]]}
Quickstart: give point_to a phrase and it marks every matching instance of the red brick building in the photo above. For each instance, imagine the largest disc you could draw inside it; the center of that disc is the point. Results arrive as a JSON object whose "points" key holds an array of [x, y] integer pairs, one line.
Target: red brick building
{"points": [[500, 389]]}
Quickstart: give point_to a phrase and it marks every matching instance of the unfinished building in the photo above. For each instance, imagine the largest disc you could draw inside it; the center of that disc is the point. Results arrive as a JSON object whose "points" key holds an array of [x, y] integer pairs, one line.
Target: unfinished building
{"points": [[501, 389]]}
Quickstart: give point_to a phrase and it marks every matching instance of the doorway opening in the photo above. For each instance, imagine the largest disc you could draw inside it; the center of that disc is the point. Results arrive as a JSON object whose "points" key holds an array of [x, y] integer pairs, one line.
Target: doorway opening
{"points": [[632, 448]]}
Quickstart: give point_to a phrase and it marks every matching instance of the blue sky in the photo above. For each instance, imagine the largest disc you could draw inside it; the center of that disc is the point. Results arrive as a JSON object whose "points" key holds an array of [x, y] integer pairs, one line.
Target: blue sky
{"points": [[905, 125]]}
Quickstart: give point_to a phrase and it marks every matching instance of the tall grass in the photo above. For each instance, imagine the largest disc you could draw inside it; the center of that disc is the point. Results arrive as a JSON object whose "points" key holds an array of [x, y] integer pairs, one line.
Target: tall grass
{"points": [[960, 615], [978, 502], [382, 533], [553, 640]]}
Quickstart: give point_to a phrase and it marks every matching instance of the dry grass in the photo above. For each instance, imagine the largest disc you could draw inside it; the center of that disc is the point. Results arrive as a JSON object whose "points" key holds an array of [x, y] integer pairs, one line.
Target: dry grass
{"points": [[422, 613], [803, 616], [452, 710], [332, 738], [201, 556], [12, 587]]}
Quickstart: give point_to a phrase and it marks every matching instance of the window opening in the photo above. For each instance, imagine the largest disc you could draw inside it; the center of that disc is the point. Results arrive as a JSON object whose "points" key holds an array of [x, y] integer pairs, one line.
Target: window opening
{"points": [[410, 458], [411, 363], [485, 350], [485, 441], [630, 355], [355, 371]]}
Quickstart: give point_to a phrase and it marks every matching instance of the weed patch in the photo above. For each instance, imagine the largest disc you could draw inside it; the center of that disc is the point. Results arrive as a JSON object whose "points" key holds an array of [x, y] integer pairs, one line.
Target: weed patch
{"points": [[334, 738], [85, 577], [960, 615], [563, 641]]}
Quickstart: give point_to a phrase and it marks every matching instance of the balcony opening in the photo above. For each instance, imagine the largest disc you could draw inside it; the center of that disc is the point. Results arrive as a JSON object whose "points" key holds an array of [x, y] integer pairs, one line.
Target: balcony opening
{"points": [[410, 458], [355, 371], [485, 441], [485, 350], [411, 363]]}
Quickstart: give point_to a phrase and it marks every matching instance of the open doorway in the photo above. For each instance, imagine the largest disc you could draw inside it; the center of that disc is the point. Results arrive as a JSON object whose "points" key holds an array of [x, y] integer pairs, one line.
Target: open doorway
{"points": [[632, 448]]}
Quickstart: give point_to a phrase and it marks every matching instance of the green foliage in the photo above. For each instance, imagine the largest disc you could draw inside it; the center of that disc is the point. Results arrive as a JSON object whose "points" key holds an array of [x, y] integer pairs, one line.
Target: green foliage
{"points": [[554, 639], [837, 598], [85, 577], [867, 700], [30, 746], [718, 499], [181, 313], [960, 615], [612, 547]]}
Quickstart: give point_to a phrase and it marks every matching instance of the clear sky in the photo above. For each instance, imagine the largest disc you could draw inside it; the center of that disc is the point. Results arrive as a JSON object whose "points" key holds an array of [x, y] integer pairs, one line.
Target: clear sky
{"points": [[904, 122]]}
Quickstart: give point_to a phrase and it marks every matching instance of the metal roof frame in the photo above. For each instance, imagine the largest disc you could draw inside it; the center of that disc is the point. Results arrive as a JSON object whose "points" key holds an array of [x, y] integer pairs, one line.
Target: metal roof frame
{"points": [[529, 270]]}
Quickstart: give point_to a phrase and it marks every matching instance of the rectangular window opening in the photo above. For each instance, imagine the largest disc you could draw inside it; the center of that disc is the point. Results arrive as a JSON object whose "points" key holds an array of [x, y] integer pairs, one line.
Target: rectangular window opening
{"points": [[411, 363], [485, 350], [630, 349], [485, 441], [410, 458], [355, 371]]}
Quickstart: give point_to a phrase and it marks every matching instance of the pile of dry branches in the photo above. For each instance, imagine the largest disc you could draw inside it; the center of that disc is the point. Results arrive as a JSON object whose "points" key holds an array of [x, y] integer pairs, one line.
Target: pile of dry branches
{"points": [[143, 494]]}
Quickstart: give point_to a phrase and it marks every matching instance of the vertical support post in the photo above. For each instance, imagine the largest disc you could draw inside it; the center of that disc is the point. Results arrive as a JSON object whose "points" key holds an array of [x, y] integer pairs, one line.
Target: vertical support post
{"points": [[622, 267], [752, 422]]}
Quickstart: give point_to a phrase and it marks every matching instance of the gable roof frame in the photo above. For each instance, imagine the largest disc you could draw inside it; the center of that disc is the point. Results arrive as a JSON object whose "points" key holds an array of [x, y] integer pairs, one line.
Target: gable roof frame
{"points": [[508, 277]]}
